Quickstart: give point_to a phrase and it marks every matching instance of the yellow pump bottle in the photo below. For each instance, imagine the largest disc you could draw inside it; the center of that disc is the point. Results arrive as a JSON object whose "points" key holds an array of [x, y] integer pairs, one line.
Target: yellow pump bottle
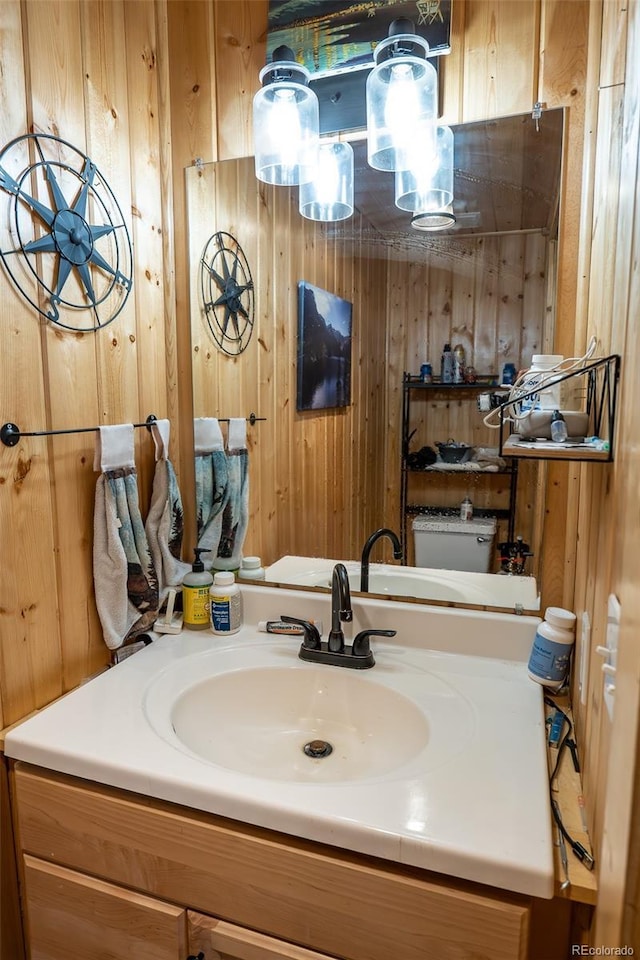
{"points": [[195, 594]]}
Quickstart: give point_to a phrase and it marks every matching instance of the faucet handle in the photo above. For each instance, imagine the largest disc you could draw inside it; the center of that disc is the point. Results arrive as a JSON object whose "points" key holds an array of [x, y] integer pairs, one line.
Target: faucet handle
{"points": [[361, 646], [311, 637]]}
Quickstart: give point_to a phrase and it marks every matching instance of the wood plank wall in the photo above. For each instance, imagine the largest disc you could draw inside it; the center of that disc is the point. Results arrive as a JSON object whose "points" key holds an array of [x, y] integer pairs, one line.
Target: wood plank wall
{"points": [[313, 474], [94, 74], [119, 79], [609, 506]]}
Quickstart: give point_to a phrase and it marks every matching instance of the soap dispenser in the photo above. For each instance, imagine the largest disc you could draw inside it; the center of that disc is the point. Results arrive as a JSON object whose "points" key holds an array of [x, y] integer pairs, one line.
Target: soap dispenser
{"points": [[195, 594]]}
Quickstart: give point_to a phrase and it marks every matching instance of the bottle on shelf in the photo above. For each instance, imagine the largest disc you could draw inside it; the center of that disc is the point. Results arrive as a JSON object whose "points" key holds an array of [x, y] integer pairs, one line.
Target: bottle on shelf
{"points": [[558, 427], [446, 365], [509, 374], [251, 569], [459, 363], [466, 509]]}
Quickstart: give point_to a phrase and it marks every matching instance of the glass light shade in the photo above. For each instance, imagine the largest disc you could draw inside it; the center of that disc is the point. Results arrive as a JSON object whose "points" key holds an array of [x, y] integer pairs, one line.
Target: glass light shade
{"points": [[286, 124], [428, 186], [402, 95], [329, 195], [434, 219]]}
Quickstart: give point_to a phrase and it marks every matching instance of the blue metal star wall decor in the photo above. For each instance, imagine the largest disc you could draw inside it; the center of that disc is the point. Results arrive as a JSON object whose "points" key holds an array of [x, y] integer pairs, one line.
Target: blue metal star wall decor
{"points": [[63, 242]]}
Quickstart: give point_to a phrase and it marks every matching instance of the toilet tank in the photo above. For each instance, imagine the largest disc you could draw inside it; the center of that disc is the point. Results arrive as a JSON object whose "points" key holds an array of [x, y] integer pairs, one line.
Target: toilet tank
{"points": [[449, 543]]}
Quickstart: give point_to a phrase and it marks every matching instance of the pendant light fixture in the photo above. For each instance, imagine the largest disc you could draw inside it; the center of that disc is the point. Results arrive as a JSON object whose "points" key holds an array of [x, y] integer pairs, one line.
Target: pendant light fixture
{"points": [[434, 219], [285, 122], [402, 95], [402, 133], [426, 190], [329, 195]]}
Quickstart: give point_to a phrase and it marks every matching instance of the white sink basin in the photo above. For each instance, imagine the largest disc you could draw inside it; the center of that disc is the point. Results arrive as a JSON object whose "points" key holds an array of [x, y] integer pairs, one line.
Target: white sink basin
{"points": [[450, 586], [258, 721], [253, 709], [402, 584]]}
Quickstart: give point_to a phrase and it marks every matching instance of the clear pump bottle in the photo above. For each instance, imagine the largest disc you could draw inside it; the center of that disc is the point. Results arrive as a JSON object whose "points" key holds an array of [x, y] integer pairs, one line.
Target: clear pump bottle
{"points": [[558, 427]]}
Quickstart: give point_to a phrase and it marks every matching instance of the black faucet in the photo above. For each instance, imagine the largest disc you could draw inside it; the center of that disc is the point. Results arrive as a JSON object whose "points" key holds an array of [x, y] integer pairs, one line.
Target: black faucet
{"points": [[340, 607], [359, 655], [364, 564]]}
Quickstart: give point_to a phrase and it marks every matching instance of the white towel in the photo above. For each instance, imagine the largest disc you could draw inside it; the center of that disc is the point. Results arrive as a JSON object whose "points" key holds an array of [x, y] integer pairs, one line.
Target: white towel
{"points": [[165, 522], [207, 435], [125, 582], [114, 448]]}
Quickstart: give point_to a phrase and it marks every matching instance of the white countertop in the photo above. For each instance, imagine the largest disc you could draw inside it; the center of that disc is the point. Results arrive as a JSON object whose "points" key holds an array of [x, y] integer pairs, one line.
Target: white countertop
{"points": [[473, 804]]}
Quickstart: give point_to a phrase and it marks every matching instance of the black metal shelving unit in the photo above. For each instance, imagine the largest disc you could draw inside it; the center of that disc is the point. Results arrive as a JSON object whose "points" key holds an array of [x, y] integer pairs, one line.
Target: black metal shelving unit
{"points": [[412, 385]]}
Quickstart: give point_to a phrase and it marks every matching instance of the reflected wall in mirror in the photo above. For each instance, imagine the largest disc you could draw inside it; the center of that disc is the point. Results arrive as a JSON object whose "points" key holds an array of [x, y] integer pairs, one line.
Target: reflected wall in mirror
{"points": [[322, 480]]}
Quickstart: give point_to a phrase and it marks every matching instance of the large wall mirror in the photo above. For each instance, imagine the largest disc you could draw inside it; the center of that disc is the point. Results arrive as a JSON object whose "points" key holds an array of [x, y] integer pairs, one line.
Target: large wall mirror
{"points": [[322, 480]]}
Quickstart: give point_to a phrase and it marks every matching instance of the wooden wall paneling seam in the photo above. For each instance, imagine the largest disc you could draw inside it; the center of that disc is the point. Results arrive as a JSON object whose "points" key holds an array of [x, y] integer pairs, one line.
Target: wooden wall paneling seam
{"points": [[145, 59], [349, 425], [562, 82], [595, 705], [59, 107], [251, 371], [614, 46], [597, 538], [500, 45], [29, 626], [240, 44], [589, 155], [268, 343], [451, 76], [191, 98], [171, 394], [285, 302], [105, 86], [617, 917], [581, 332]]}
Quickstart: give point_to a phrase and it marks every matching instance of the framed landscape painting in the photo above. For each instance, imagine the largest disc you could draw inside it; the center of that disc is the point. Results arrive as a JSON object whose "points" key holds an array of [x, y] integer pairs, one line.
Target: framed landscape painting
{"points": [[324, 349]]}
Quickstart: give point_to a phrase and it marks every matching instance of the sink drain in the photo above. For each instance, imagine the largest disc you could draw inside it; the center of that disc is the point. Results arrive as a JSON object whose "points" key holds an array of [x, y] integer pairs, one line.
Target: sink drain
{"points": [[318, 749]]}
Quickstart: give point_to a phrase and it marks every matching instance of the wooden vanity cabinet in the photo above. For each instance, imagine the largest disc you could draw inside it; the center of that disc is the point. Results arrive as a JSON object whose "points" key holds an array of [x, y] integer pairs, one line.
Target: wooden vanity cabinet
{"points": [[114, 875], [219, 940], [72, 916]]}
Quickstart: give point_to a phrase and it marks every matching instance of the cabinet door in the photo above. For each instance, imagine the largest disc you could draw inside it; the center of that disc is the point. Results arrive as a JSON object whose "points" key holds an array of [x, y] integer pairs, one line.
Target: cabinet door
{"points": [[219, 940], [71, 916]]}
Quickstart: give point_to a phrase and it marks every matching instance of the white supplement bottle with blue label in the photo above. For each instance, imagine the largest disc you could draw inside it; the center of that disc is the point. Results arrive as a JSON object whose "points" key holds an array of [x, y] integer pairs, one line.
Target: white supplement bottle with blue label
{"points": [[551, 651], [225, 604]]}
